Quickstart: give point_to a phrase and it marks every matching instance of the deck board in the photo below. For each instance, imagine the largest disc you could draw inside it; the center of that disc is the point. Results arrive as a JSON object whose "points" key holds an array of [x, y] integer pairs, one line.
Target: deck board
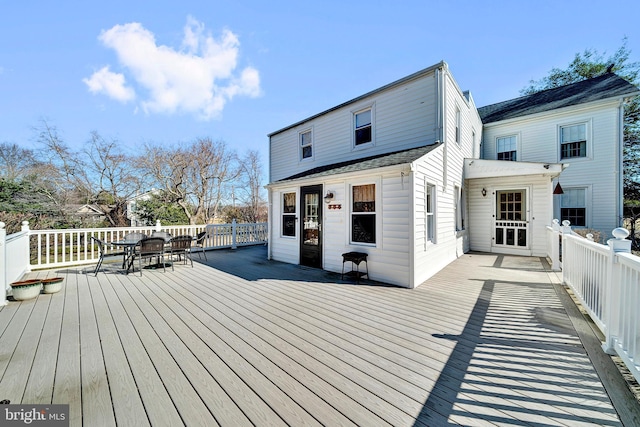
{"points": [[240, 340]]}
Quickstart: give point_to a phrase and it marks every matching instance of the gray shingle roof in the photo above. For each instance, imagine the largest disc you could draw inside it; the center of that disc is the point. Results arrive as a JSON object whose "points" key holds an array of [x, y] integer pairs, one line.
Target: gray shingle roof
{"points": [[372, 162], [605, 86]]}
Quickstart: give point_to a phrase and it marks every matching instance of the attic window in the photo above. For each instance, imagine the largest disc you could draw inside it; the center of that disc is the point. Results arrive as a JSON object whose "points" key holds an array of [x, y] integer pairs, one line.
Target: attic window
{"points": [[363, 126]]}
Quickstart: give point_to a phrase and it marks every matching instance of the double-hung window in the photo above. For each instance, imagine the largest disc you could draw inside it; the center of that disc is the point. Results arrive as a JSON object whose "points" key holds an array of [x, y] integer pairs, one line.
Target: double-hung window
{"points": [[573, 206], [430, 209], [573, 141], [289, 214], [306, 145], [363, 127], [507, 148], [363, 213]]}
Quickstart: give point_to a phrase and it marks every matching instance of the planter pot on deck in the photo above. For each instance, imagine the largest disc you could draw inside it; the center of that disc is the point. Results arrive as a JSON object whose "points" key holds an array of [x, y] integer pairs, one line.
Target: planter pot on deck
{"points": [[53, 285], [25, 289]]}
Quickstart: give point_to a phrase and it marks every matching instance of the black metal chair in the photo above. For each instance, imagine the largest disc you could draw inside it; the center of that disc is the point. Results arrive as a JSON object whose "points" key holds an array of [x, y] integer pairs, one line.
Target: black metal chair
{"points": [[200, 243], [181, 245], [104, 253], [149, 248]]}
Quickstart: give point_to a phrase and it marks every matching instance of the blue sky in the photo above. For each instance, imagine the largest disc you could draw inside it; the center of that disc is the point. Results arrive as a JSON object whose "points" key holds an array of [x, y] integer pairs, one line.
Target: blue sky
{"points": [[168, 72]]}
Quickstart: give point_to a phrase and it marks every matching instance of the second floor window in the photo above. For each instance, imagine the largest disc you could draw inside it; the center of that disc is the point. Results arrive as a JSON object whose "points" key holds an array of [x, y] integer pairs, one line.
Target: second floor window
{"points": [[306, 146], [507, 148], [573, 141], [363, 132], [458, 125]]}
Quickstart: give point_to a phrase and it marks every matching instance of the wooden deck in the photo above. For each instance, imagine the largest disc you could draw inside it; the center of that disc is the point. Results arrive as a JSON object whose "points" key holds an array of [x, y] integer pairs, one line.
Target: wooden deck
{"points": [[246, 341]]}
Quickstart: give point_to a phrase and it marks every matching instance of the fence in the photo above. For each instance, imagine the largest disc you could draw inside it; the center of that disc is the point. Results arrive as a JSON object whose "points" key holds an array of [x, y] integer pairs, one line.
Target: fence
{"points": [[606, 281], [35, 249]]}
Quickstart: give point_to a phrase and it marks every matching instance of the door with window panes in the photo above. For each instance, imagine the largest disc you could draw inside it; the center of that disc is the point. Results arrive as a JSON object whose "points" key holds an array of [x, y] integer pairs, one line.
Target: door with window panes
{"points": [[511, 225], [311, 226]]}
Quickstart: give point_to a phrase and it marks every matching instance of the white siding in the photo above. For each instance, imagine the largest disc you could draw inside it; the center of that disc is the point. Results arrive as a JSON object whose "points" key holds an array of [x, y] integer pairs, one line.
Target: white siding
{"points": [[285, 249], [405, 117], [538, 141]]}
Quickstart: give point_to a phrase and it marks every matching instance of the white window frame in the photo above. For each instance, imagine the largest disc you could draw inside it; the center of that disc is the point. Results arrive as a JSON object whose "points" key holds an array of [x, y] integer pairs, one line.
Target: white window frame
{"points": [[302, 147], [517, 143], [430, 209], [293, 214], [586, 207], [354, 113], [588, 137], [376, 213], [459, 206], [458, 127]]}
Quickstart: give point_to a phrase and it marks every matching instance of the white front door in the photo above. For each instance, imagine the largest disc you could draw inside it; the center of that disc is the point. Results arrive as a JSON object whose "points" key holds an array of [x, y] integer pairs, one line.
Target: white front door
{"points": [[511, 229]]}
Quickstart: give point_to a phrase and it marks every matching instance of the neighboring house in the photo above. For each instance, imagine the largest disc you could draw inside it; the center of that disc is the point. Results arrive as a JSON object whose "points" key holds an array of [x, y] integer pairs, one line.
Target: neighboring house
{"points": [[132, 216], [579, 125], [88, 215], [397, 173]]}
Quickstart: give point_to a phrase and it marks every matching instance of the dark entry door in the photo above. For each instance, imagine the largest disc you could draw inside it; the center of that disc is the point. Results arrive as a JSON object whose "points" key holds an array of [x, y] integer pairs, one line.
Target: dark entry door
{"points": [[311, 226]]}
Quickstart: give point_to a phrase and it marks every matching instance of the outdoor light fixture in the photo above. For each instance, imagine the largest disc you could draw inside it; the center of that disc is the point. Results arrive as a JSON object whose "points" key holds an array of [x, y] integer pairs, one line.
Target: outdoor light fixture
{"points": [[329, 197], [484, 192], [558, 189]]}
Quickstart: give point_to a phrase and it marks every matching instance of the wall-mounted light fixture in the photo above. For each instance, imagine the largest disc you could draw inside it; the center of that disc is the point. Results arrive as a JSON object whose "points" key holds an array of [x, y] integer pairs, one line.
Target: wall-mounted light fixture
{"points": [[484, 192], [328, 197]]}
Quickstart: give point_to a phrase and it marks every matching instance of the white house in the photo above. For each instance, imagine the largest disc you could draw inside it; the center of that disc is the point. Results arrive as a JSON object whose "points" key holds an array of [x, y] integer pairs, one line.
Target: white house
{"points": [[579, 125], [397, 174]]}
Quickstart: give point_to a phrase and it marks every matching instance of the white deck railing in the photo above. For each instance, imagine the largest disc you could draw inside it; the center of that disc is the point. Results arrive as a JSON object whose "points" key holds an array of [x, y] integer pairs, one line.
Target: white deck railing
{"points": [[34, 249], [606, 281]]}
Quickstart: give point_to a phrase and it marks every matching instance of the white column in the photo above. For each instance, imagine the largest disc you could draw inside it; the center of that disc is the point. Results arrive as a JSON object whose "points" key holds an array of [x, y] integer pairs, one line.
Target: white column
{"points": [[234, 244]]}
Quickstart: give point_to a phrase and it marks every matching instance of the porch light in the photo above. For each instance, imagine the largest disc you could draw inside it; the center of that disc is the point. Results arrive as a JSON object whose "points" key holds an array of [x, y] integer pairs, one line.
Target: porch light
{"points": [[484, 192], [558, 189], [329, 197]]}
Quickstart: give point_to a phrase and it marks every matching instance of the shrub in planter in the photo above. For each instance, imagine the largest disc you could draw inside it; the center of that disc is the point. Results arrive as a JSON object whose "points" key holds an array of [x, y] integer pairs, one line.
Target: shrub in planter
{"points": [[25, 289], [52, 285]]}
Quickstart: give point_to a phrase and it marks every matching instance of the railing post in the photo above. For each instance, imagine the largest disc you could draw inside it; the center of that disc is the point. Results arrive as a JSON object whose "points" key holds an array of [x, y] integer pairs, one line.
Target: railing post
{"points": [[619, 244], [234, 243], [3, 264], [555, 245], [158, 225], [25, 227]]}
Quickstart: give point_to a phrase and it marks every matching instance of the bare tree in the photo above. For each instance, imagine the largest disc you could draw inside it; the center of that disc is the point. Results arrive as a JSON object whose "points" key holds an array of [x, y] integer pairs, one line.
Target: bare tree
{"points": [[15, 162], [195, 176], [252, 191]]}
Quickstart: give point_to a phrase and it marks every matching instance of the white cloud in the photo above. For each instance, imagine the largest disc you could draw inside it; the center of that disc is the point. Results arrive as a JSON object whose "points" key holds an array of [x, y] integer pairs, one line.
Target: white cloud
{"points": [[200, 78], [110, 84]]}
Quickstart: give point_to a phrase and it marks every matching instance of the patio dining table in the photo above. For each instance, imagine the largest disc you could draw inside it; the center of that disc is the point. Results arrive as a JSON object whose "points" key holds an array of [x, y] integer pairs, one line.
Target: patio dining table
{"points": [[128, 243]]}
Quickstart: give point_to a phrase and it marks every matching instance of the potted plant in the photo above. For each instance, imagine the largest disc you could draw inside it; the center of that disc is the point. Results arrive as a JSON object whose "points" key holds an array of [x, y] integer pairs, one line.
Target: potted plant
{"points": [[25, 289], [52, 285]]}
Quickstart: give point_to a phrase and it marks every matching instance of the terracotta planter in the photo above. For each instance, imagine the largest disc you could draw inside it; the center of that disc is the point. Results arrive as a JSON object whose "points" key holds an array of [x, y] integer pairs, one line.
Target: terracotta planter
{"points": [[25, 289], [53, 285]]}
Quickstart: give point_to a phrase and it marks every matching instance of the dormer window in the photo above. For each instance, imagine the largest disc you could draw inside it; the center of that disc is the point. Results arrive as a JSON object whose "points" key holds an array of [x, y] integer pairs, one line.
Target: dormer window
{"points": [[306, 145], [363, 127]]}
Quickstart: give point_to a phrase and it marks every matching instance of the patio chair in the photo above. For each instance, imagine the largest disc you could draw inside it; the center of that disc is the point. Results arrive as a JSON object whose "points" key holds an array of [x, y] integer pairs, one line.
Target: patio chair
{"points": [[149, 248], [104, 253], [135, 236], [200, 242], [181, 245]]}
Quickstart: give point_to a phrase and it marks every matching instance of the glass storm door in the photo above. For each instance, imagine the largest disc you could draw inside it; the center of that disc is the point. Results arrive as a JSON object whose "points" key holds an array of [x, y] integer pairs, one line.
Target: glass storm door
{"points": [[311, 231], [511, 224]]}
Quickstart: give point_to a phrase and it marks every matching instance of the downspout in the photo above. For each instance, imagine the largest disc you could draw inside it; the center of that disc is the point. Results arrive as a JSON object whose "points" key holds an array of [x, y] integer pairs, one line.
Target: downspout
{"points": [[443, 124], [620, 165]]}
